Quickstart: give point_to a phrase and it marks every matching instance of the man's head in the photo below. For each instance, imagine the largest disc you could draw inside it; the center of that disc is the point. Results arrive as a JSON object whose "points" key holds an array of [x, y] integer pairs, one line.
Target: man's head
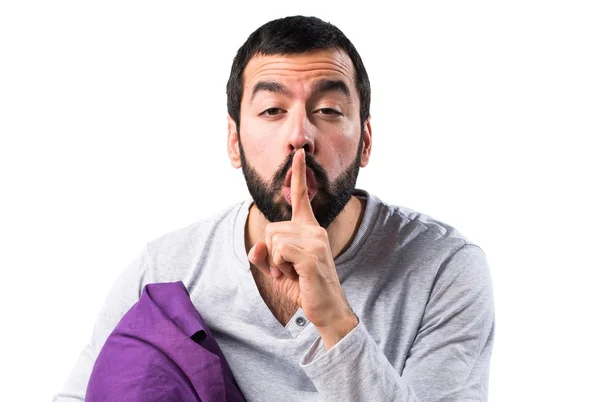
{"points": [[298, 82]]}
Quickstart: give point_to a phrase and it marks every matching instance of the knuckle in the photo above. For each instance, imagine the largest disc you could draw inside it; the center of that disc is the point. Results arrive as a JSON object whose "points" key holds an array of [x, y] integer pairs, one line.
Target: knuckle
{"points": [[276, 239], [321, 233], [322, 247]]}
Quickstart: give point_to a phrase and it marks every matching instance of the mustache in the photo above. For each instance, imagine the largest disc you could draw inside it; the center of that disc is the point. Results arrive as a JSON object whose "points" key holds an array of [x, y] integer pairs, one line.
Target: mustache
{"points": [[311, 163]]}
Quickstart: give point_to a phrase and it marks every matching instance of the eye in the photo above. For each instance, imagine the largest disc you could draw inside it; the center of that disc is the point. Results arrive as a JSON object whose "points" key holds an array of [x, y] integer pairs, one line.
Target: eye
{"points": [[272, 111], [329, 112]]}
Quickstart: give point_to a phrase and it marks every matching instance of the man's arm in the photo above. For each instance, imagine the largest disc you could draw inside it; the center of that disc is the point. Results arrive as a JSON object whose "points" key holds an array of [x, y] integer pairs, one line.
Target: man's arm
{"points": [[122, 296], [448, 360]]}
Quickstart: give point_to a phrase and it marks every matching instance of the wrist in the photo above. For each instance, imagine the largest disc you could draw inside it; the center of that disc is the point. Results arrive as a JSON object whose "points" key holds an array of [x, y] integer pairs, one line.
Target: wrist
{"points": [[336, 331]]}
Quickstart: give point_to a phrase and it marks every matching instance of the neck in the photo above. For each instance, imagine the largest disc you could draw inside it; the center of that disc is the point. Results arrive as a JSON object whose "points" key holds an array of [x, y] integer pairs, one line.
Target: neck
{"points": [[340, 232]]}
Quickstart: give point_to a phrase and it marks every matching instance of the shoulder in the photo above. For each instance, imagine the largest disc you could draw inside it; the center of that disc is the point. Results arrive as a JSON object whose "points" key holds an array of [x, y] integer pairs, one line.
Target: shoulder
{"points": [[419, 242], [407, 225], [434, 251]]}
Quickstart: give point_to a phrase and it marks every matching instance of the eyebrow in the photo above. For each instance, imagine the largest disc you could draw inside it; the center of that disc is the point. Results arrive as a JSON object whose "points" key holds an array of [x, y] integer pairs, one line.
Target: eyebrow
{"points": [[331, 86], [318, 87], [270, 86]]}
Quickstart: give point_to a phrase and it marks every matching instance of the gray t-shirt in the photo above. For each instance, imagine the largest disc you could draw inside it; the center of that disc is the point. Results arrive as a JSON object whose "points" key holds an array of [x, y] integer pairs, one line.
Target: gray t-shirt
{"points": [[421, 291]]}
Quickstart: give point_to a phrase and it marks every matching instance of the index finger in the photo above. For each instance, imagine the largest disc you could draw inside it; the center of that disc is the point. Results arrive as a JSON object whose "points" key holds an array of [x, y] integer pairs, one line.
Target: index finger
{"points": [[301, 208]]}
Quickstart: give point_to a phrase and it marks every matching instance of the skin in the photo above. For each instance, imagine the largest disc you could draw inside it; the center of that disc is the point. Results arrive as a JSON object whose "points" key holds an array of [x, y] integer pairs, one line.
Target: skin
{"points": [[294, 250]]}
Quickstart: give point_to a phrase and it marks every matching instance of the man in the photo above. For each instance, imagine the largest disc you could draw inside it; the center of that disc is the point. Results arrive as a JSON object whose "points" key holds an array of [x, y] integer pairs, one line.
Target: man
{"points": [[313, 289]]}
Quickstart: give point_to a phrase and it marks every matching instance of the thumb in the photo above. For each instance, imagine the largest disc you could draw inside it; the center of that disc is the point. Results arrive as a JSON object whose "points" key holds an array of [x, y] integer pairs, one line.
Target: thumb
{"points": [[258, 256]]}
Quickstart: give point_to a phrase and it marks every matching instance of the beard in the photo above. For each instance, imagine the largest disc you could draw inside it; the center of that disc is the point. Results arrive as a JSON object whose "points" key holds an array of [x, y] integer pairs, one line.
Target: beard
{"points": [[328, 202]]}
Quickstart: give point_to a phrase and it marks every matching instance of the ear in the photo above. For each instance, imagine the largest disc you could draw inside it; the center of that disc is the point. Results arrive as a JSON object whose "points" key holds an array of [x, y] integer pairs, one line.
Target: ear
{"points": [[233, 146], [366, 138]]}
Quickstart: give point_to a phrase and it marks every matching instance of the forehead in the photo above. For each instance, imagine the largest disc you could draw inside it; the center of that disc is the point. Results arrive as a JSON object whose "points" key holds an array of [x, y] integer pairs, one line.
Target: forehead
{"points": [[298, 71]]}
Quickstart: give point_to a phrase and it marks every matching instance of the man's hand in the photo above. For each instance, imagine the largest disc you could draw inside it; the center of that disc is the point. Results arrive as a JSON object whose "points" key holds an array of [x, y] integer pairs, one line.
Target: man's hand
{"points": [[297, 256]]}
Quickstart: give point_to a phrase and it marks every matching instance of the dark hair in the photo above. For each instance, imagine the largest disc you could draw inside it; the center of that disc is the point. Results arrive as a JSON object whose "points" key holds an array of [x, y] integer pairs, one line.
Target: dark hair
{"points": [[293, 35]]}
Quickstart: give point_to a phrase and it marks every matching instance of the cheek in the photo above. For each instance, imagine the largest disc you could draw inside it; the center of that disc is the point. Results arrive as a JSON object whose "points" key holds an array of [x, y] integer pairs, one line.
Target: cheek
{"points": [[343, 150], [258, 147], [257, 137], [260, 153], [253, 137]]}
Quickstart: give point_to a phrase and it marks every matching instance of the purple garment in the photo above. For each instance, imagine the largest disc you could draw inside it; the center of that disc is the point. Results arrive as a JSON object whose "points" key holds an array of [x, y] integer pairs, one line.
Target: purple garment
{"points": [[162, 350]]}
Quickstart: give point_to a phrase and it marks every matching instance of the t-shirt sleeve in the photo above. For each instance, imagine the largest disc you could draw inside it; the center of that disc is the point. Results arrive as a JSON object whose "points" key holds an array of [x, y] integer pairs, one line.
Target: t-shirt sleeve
{"points": [[449, 357]]}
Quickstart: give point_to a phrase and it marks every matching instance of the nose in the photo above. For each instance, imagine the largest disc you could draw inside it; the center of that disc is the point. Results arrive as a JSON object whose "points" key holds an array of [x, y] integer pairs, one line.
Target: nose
{"points": [[301, 131]]}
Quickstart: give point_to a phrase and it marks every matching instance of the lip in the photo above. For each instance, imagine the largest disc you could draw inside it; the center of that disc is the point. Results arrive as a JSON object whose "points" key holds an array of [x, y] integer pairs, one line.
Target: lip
{"points": [[311, 182], [287, 193]]}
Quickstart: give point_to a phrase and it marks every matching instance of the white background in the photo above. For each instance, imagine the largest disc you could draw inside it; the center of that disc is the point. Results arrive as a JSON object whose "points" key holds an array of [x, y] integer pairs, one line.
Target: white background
{"points": [[485, 116]]}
